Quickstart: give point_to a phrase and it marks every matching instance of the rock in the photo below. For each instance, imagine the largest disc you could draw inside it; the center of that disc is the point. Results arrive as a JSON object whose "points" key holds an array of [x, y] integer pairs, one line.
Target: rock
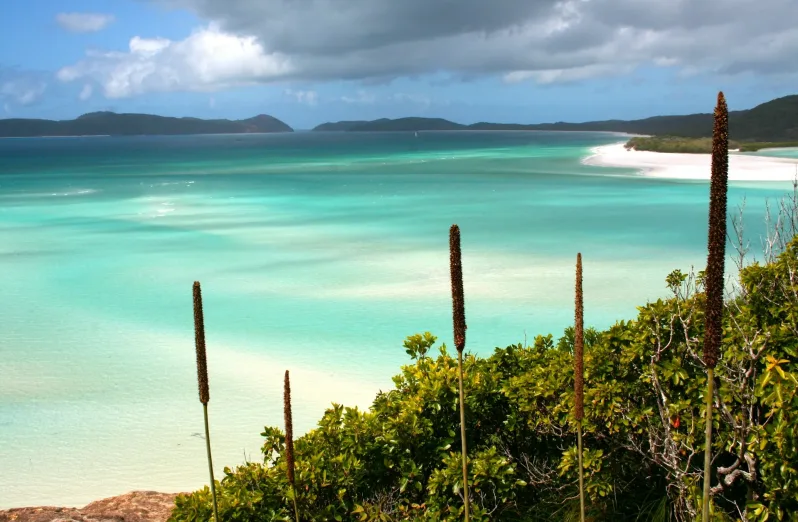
{"points": [[137, 506]]}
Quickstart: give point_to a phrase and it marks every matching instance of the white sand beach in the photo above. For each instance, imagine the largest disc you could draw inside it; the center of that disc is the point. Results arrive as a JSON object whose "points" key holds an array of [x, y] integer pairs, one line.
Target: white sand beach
{"points": [[742, 167]]}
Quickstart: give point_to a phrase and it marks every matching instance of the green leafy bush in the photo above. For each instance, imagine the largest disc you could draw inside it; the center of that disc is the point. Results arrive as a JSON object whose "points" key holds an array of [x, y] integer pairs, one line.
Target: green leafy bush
{"points": [[644, 405]]}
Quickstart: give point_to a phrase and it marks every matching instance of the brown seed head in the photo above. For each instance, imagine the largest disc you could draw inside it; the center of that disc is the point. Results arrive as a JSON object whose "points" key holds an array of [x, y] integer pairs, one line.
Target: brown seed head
{"points": [[458, 301], [199, 339], [579, 343], [717, 234], [289, 430]]}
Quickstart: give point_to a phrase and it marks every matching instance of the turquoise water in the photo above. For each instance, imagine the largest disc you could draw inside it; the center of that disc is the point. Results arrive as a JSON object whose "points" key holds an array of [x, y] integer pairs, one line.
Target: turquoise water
{"points": [[779, 153], [317, 253]]}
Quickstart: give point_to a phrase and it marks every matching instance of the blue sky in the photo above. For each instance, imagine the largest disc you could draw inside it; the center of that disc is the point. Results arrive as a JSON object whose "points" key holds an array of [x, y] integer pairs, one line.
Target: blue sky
{"points": [[306, 62]]}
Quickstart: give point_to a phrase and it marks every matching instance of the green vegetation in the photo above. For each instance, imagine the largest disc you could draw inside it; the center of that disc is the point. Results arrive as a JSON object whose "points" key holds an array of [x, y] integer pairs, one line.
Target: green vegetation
{"points": [[289, 443], [773, 121], [202, 381], [579, 380], [339, 125], [112, 124], [755, 146], [692, 376], [697, 145], [673, 144], [771, 124], [643, 425], [399, 124], [458, 320], [719, 181]]}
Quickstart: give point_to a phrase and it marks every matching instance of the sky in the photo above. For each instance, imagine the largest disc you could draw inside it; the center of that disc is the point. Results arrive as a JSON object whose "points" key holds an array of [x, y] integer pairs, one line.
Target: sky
{"points": [[311, 61]]}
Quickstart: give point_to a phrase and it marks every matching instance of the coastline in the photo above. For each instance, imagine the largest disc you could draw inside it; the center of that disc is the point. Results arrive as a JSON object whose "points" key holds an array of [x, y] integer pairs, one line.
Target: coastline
{"points": [[317, 388], [697, 167], [136, 506]]}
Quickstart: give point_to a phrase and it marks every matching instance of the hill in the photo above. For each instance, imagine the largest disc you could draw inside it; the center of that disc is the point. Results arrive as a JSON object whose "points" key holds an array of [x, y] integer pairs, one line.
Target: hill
{"points": [[773, 121], [408, 124], [113, 124], [339, 125], [386, 124]]}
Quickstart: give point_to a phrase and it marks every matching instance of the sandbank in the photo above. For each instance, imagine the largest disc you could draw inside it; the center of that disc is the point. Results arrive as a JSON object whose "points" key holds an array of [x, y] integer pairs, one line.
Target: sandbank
{"points": [[742, 167]]}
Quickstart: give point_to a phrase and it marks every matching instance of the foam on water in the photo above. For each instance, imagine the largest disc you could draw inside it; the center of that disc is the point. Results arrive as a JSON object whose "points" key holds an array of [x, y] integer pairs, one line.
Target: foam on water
{"points": [[315, 252], [64, 193]]}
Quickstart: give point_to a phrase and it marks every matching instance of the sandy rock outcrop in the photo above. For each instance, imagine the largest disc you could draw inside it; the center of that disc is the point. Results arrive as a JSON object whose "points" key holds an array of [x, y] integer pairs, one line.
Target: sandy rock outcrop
{"points": [[137, 506]]}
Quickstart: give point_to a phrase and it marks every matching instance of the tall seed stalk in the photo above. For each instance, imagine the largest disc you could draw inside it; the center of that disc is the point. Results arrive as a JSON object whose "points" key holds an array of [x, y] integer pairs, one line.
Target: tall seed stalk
{"points": [[579, 378], [202, 379], [458, 316], [714, 273], [289, 441]]}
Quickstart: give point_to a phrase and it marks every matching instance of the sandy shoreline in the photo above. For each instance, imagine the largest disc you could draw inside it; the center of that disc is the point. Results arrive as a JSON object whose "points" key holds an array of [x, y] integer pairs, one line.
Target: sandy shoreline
{"points": [[692, 166]]}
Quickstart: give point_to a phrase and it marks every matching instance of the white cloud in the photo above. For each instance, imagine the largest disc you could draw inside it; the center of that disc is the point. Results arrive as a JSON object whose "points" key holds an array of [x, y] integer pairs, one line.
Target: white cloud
{"points": [[546, 41], [518, 76], [84, 22], [208, 60], [22, 91], [362, 97], [148, 47], [86, 92], [574, 74], [305, 97], [417, 99], [212, 102]]}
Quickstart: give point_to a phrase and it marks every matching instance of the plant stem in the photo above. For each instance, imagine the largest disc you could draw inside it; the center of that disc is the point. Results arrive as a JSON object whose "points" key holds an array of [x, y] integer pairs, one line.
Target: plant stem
{"points": [[581, 473], [579, 377], [708, 449], [296, 510], [463, 434], [210, 463]]}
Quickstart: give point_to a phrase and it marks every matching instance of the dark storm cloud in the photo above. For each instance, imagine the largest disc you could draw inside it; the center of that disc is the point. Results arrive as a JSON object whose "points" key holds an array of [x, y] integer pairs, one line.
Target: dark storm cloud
{"points": [[324, 27], [261, 41], [376, 37]]}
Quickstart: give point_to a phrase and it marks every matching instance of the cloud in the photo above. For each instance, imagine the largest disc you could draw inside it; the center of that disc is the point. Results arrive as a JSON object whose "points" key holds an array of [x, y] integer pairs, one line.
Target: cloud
{"points": [[362, 97], [21, 90], [208, 60], [304, 97], [417, 99], [86, 92], [364, 38], [546, 41], [84, 22], [549, 76]]}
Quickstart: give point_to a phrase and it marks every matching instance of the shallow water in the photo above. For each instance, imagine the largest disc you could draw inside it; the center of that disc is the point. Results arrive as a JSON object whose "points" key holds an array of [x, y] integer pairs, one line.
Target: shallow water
{"points": [[317, 252], [790, 152]]}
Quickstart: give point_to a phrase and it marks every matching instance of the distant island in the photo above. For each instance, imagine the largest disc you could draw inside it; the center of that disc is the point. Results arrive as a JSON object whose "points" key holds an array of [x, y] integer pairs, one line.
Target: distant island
{"points": [[113, 124], [771, 124], [400, 124], [339, 125]]}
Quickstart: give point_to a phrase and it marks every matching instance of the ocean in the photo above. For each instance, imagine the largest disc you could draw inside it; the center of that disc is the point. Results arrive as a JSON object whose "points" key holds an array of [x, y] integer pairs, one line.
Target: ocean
{"points": [[317, 253], [787, 152]]}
